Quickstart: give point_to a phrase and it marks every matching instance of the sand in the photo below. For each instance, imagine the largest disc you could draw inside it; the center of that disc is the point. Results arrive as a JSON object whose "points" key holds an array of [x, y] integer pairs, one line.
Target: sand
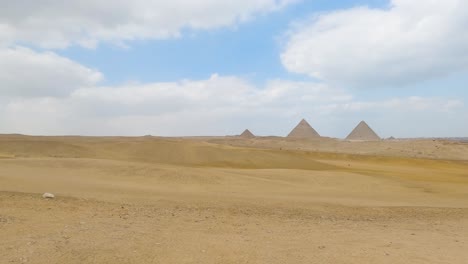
{"points": [[231, 200]]}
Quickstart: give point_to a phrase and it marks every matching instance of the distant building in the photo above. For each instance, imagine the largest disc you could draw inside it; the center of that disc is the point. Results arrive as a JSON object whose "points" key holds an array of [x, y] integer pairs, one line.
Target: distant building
{"points": [[303, 130], [363, 132]]}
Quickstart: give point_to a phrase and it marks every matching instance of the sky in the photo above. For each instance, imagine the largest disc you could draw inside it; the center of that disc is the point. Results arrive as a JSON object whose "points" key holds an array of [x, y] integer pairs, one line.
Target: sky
{"points": [[217, 67]]}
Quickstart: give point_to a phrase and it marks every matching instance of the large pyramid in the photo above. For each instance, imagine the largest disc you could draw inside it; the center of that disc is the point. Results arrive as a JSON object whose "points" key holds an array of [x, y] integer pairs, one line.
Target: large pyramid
{"points": [[247, 134], [303, 130], [363, 132]]}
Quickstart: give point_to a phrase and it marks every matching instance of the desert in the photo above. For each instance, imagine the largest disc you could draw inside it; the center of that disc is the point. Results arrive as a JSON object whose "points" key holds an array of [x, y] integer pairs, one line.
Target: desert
{"points": [[234, 132], [232, 200]]}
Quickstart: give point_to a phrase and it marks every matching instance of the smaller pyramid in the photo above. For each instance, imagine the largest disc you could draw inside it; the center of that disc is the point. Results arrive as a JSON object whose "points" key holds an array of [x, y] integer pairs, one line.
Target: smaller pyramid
{"points": [[363, 132], [247, 134], [303, 130]]}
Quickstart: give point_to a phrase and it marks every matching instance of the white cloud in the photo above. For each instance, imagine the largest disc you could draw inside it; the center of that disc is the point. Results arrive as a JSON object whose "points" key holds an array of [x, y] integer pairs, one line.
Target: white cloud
{"points": [[223, 105], [24, 72], [411, 41], [217, 91], [35, 116], [217, 105], [58, 24], [220, 104], [399, 105]]}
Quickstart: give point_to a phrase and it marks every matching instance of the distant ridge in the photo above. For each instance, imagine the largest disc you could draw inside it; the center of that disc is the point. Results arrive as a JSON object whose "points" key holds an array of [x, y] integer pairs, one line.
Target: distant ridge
{"points": [[303, 130], [363, 132], [247, 134]]}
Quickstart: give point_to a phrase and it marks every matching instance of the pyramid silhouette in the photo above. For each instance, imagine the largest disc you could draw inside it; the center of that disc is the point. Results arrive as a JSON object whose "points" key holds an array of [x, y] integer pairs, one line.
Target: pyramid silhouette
{"points": [[247, 134], [303, 130], [363, 132]]}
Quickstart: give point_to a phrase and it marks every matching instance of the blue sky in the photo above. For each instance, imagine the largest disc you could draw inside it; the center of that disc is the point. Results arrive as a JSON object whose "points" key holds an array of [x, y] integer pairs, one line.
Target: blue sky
{"points": [[137, 68], [250, 49]]}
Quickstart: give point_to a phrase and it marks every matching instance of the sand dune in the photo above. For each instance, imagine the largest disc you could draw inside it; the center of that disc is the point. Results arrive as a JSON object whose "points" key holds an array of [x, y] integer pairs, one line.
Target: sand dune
{"points": [[230, 200]]}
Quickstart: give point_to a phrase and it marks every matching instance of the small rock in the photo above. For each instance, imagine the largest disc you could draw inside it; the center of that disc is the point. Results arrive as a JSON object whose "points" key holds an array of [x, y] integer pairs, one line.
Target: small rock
{"points": [[48, 196]]}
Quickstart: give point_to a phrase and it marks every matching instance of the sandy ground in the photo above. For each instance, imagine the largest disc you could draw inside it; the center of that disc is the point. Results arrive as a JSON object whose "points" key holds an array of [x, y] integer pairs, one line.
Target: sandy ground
{"points": [[214, 200]]}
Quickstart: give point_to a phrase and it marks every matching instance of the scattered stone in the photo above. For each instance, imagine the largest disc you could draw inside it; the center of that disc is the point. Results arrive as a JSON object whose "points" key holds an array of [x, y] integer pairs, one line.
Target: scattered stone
{"points": [[48, 196]]}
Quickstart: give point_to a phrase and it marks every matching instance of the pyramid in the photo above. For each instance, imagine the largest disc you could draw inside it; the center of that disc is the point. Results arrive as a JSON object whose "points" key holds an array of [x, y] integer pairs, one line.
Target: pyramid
{"points": [[363, 132], [303, 130], [247, 134]]}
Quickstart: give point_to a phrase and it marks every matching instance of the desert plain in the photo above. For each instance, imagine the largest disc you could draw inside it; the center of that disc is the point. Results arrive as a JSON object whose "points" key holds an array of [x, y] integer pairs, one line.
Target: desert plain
{"points": [[232, 200]]}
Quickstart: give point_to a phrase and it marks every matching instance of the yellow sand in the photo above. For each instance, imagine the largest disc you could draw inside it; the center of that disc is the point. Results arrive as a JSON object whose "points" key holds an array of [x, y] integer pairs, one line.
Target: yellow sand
{"points": [[230, 200]]}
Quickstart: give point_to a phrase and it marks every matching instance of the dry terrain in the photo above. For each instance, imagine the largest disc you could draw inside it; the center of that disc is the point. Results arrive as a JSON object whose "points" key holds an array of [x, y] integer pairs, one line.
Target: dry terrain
{"points": [[231, 200]]}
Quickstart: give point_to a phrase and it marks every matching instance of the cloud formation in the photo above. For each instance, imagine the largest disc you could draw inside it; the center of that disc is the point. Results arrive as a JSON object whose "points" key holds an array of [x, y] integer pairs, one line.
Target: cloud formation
{"points": [[218, 105], [410, 41], [26, 73], [44, 93], [58, 24]]}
